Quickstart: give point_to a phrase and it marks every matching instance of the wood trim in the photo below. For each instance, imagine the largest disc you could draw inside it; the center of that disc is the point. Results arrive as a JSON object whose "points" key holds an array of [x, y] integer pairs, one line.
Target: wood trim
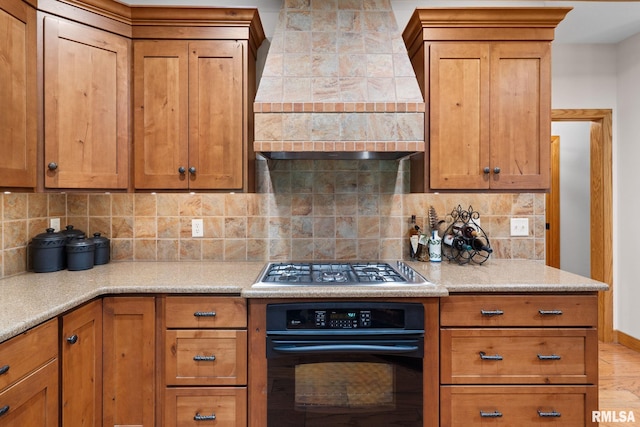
{"points": [[552, 211], [626, 340], [601, 206]]}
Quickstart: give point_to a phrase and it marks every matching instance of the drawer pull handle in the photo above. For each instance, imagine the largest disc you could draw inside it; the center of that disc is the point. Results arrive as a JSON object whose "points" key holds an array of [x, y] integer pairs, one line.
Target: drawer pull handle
{"points": [[491, 312], [484, 356], [549, 357], [205, 314], [550, 312], [4, 410], [72, 339], [4, 369], [199, 417], [494, 414], [552, 414], [204, 358]]}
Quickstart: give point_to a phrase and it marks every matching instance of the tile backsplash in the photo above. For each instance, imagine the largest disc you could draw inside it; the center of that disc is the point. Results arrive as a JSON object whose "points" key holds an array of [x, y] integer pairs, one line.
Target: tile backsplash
{"points": [[304, 210]]}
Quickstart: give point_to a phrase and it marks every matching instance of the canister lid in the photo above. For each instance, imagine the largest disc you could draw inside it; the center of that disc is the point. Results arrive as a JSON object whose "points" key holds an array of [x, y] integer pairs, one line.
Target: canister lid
{"points": [[81, 244], [100, 241], [49, 239], [71, 233]]}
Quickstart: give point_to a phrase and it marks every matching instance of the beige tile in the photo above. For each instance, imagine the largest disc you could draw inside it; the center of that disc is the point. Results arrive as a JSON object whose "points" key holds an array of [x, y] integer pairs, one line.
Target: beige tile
{"points": [[279, 227], [15, 261], [100, 225], [80, 223], [15, 234], [214, 227], [168, 250], [324, 227], [257, 205], [280, 249], [122, 227], [213, 204], [235, 227], [15, 206], [303, 249], [324, 249], [77, 205], [122, 250], [392, 248], [346, 249], [168, 227], [38, 205], [302, 204], [347, 228], [190, 205], [99, 204], [522, 248], [522, 204], [235, 249], [235, 205], [168, 204], [257, 227], [122, 204], [257, 249], [368, 227], [145, 227], [346, 204], [301, 227], [35, 227], [190, 249], [368, 249], [145, 204], [144, 249], [213, 249], [57, 204], [324, 205]]}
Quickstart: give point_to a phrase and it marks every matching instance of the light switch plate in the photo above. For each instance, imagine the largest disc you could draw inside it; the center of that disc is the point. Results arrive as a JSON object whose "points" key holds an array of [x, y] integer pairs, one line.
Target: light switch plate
{"points": [[197, 228], [55, 224], [519, 226]]}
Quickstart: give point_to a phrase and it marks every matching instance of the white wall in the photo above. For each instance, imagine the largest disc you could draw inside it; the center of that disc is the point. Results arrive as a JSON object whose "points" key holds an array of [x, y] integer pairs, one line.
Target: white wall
{"points": [[626, 171]]}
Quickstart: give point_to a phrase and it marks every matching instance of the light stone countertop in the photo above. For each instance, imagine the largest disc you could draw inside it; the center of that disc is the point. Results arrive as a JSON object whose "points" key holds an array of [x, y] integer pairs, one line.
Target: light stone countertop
{"points": [[32, 298]]}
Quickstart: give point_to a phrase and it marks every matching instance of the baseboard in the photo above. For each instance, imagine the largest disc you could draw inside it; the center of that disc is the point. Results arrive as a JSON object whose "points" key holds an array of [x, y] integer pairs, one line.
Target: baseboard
{"points": [[626, 340]]}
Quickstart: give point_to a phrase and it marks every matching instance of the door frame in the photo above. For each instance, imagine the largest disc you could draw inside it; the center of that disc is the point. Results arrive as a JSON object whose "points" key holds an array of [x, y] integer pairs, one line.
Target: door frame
{"points": [[601, 243]]}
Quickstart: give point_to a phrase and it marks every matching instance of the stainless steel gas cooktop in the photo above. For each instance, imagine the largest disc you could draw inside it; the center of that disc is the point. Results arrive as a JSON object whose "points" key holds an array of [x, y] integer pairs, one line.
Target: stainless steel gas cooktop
{"points": [[365, 273]]}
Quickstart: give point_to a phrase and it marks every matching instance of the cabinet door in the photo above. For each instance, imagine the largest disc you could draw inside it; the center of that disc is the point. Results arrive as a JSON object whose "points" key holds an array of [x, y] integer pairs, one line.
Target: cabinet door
{"points": [[216, 111], [459, 115], [129, 361], [82, 366], [18, 128], [520, 115], [86, 106], [161, 90], [32, 401]]}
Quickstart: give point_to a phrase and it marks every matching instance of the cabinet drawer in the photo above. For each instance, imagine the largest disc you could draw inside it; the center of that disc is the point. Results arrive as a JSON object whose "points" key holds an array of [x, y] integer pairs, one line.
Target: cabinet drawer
{"points": [[206, 312], [32, 401], [518, 356], [519, 310], [197, 357], [40, 343], [565, 406], [223, 406]]}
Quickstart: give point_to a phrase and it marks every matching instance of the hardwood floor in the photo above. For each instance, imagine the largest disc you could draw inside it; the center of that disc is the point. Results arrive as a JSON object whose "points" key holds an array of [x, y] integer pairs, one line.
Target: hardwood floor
{"points": [[619, 388]]}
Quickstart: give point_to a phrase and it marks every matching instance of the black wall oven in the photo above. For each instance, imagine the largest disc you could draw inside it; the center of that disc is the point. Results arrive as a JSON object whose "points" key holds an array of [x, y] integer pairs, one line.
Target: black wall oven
{"points": [[345, 364]]}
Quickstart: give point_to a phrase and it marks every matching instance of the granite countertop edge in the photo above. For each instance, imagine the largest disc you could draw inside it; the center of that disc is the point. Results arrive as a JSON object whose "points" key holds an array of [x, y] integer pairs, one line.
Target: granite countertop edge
{"points": [[32, 298]]}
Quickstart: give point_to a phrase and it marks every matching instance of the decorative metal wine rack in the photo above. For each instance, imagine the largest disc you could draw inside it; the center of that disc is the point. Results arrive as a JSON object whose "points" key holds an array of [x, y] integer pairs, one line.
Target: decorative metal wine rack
{"points": [[466, 240]]}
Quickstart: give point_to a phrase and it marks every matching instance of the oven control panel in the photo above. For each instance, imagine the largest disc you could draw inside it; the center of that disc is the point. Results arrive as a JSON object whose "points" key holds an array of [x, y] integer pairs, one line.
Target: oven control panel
{"points": [[346, 316]]}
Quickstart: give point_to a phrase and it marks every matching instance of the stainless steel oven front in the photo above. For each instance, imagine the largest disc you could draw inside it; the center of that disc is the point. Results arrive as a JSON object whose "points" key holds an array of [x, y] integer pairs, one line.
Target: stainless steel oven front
{"points": [[345, 364]]}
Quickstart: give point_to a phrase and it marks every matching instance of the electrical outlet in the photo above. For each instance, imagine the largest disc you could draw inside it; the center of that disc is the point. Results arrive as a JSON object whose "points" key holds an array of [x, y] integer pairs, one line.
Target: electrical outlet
{"points": [[55, 224], [519, 226], [197, 228]]}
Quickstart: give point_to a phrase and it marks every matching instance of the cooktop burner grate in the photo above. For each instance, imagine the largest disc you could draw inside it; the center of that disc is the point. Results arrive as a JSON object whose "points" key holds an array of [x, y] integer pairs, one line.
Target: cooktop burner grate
{"points": [[334, 273]]}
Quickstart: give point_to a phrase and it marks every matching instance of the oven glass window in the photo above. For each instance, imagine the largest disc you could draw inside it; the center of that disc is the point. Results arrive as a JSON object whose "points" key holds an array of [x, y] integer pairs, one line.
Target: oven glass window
{"points": [[364, 385]]}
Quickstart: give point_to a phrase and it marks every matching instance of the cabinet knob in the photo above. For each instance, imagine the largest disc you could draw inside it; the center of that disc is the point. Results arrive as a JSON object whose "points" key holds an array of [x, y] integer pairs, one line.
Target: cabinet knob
{"points": [[52, 166], [181, 170], [486, 170], [4, 369], [496, 170], [72, 339], [192, 170], [4, 410]]}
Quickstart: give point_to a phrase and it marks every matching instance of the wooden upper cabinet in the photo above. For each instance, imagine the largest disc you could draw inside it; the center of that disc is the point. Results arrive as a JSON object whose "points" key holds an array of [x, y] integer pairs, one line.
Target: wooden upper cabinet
{"points": [[189, 114], [490, 115], [18, 121], [86, 106], [486, 74]]}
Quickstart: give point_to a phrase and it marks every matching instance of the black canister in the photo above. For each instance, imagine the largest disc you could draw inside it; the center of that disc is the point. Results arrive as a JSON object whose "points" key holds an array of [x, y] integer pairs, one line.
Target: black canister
{"points": [[80, 254], [47, 251], [103, 249], [71, 233]]}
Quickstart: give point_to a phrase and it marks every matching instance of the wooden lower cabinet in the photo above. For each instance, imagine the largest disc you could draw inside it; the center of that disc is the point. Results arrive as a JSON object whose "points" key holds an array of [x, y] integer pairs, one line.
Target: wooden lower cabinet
{"points": [[81, 354], [29, 385], [518, 360], [205, 361], [521, 406], [129, 366], [220, 406]]}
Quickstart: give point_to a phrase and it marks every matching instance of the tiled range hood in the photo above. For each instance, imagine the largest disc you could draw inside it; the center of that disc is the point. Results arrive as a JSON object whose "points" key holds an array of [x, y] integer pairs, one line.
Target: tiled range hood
{"points": [[338, 83]]}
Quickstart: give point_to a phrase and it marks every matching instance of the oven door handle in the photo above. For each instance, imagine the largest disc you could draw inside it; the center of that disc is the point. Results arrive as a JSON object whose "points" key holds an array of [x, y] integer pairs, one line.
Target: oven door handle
{"points": [[345, 348]]}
